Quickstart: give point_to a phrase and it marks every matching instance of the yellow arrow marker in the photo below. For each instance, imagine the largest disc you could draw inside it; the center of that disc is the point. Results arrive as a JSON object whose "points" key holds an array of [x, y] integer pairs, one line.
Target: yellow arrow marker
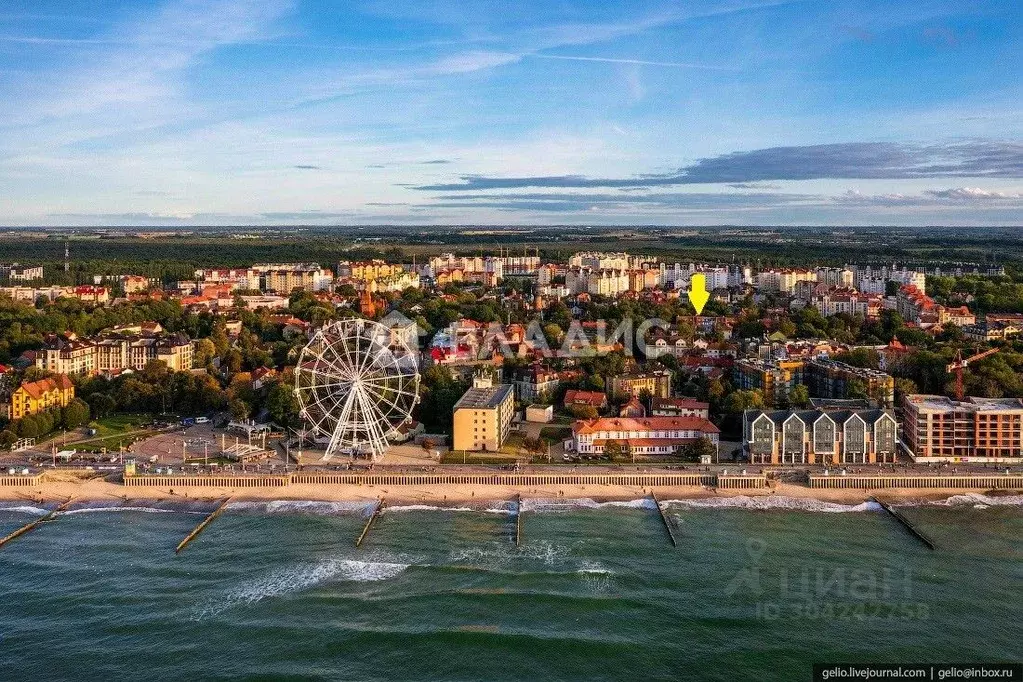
{"points": [[698, 294]]}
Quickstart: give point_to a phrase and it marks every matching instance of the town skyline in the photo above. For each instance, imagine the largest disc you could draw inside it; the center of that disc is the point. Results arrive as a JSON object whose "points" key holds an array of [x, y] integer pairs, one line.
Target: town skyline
{"points": [[746, 113]]}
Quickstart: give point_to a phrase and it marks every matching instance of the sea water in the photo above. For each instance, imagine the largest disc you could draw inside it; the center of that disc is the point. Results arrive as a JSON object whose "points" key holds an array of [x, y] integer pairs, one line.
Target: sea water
{"points": [[758, 588]]}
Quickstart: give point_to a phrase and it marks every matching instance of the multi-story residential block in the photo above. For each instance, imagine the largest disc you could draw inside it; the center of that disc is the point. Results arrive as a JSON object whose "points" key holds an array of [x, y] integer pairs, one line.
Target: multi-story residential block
{"points": [[237, 278], [67, 354], [23, 273], [643, 436], [939, 429], [832, 379], [284, 280], [773, 378], [679, 407], [783, 281], [841, 278], [37, 396], [482, 417], [835, 302], [655, 382], [989, 330], [31, 294], [820, 436]]}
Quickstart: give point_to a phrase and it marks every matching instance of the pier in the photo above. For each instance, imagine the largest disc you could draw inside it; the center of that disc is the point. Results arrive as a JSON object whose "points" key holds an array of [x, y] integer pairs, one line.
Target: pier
{"points": [[369, 522], [29, 526], [664, 519], [518, 520], [202, 525], [905, 523]]}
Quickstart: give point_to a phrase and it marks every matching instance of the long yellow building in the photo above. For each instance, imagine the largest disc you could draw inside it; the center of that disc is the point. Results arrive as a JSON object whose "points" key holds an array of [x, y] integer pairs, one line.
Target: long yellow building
{"points": [[38, 396]]}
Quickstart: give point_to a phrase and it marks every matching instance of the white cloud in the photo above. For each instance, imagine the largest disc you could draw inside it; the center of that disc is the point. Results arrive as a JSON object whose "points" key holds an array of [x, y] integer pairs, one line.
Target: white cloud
{"points": [[970, 194]]}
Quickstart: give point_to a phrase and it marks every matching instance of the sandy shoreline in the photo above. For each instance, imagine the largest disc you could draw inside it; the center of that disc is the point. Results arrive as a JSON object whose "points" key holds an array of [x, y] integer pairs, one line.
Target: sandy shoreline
{"points": [[97, 489]]}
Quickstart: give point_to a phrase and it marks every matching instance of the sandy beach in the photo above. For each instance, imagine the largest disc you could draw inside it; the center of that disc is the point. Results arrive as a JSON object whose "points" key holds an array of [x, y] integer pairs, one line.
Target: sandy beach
{"points": [[61, 487]]}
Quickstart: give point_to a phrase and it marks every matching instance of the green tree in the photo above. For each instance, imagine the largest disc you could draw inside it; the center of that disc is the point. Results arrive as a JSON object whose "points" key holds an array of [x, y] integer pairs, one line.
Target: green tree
{"points": [[239, 410], [76, 414], [7, 439], [799, 396], [282, 405], [697, 449], [614, 450]]}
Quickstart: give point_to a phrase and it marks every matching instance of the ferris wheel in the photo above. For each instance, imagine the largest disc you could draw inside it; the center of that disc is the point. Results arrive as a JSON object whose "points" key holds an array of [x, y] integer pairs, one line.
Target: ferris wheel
{"points": [[355, 382]]}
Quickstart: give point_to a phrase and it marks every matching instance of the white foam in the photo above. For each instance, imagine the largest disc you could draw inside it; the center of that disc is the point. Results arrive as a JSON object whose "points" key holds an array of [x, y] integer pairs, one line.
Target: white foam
{"points": [[558, 504], [301, 507], [981, 501], [145, 510], [593, 568], [772, 502], [500, 554], [288, 581], [25, 509]]}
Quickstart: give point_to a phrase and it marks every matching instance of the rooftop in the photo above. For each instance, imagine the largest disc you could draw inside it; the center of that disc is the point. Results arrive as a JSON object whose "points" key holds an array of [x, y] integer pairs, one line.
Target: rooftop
{"points": [[484, 398], [970, 404]]}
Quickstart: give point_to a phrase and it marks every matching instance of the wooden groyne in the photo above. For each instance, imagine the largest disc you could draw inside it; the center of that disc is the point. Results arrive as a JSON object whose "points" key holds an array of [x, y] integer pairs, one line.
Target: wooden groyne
{"points": [[905, 523], [369, 522], [29, 526], [664, 519], [1014, 482], [518, 520], [202, 525]]}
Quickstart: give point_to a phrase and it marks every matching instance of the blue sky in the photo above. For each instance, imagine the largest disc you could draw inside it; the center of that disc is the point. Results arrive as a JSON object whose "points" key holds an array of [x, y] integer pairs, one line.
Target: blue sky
{"points": [[492, 112]]}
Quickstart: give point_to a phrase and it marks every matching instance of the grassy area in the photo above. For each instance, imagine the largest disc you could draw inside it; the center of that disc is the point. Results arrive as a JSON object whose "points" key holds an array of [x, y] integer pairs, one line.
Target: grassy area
{"points": [[111, 443], [117, 424]]}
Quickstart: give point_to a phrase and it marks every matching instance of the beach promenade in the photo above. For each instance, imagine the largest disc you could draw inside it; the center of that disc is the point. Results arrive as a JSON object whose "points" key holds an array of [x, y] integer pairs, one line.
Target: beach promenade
{"points": [[452, 485]]}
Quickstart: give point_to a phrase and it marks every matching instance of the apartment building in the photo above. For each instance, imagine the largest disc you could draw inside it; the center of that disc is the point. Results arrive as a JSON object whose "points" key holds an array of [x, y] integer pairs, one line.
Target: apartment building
{"points": [[832, 379], [24, 273], [67, 354], [939, 429], [783, 281], [655, 382], [38, 396], [820, 436], [482, 418], [642, 436], [773, 378]]}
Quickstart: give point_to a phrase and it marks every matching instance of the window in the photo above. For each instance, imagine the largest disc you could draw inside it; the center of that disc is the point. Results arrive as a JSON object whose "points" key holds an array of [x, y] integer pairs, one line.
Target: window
{"points": [[885, 435], [824, 436], [855, 436], [763, 436], [792, 436]]}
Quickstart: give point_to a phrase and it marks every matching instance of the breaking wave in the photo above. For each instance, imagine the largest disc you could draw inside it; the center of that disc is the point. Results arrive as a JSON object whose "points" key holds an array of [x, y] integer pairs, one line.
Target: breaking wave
{"points": [[557, 504], [301, 507], [26, 509], [144, 510], [981, 501], [291, 580], [769, 502]]}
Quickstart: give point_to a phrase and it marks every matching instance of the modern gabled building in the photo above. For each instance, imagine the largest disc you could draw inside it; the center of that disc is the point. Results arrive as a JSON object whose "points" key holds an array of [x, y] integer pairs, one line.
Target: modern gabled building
{"points": [[820, 436]]}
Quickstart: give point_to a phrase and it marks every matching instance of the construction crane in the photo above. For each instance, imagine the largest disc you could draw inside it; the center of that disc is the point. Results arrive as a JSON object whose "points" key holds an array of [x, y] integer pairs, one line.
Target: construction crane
{"points": [[959, 364]]}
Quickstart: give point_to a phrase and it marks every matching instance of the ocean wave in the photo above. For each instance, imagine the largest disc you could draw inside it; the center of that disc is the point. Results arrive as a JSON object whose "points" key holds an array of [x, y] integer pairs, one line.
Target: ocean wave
{"points": [[26, 509], [500, 554], [482, 507], [144, 510], [558, 504], [980, 501], [296, 579], [302, 507], [772, 502]]}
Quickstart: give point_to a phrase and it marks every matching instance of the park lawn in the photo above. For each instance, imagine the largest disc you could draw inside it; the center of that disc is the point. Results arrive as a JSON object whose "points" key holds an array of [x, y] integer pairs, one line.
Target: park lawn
{"points": [[111, 443], [117, 424]]}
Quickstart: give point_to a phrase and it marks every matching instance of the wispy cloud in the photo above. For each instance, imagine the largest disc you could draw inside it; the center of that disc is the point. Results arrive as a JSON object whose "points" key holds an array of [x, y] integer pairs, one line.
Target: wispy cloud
{"points": [[639, 62], [306, 166], [861, 160]]}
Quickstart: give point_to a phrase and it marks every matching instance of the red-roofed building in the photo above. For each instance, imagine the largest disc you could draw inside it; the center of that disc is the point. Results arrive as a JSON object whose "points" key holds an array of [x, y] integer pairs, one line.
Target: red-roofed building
{"points": [[645, 436], [594, 399]]}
